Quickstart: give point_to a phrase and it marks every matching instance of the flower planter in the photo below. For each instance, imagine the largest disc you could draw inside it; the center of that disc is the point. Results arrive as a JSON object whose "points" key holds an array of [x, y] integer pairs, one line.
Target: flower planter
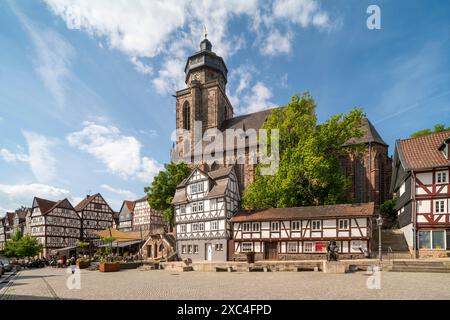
{"points": [[83, 264], [109, 267], [250, 257]]}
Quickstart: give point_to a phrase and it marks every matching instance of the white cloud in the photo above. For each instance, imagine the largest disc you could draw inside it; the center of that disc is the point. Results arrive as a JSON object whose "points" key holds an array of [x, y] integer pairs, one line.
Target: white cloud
{"points": [[173, 28], [302, 12], [150, 133], [277, 43], [9, 156], [40, 156], [121, 154], [258, 99], [126, 193], [53, 56], [14, 196]]}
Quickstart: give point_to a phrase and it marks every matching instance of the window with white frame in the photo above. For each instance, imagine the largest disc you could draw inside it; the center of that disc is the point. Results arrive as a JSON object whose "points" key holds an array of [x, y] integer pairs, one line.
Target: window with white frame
{"points": [[183, 228], [316, 225], [190, 248], [246, 227], [432, 239], [197, 188], [402, 188], [292, 247], [183, 249], [200, 206], [296, 225], [201, 226], [183, 209], [219, 247], [247, 246], [308, 247], [194, 227], [195, 248], [343, 224], [213, 204], [255, 226], [439, 206], [275, 226], [214, 225], [441, 177], [194, 207]]}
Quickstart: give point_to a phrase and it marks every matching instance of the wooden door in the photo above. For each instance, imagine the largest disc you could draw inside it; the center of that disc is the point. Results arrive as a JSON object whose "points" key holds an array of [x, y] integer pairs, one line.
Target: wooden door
{"points": [[271, 250]]}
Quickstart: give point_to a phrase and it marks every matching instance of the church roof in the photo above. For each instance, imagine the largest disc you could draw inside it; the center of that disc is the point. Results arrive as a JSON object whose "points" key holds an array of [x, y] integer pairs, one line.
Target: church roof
{"points": [[247, 121], [370, 134]]}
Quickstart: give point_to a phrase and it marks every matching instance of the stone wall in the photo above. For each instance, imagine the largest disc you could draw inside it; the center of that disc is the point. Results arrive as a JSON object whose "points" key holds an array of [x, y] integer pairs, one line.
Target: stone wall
{"points": [[427, 254]]}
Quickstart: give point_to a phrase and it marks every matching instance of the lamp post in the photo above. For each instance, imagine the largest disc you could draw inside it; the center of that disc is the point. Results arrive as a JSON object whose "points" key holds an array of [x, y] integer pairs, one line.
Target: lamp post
{"points": [[379, 224]]}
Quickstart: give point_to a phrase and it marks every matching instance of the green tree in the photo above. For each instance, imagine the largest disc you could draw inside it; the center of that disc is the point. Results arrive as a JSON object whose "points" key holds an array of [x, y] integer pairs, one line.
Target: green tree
{"points": [[387, 209], [163, 188], [22, 246], [423, 132], [309, 171]]}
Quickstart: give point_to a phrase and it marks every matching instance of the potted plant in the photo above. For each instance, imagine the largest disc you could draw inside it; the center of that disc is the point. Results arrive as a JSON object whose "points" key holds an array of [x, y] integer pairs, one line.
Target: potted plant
{"points": [[250, 256], [108, 264]]}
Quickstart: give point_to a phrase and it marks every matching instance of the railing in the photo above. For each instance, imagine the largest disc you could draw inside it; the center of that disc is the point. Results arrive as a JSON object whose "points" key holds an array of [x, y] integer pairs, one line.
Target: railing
{"points": [[390, 254]]}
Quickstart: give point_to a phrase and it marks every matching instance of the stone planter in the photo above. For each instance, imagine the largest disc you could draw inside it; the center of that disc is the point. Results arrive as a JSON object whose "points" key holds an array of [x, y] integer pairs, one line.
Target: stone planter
{"points": [[109, 267]]}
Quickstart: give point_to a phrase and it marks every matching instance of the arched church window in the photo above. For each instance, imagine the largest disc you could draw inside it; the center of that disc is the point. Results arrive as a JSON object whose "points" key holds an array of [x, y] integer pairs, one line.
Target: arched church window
{"points": [[186, 116], [360, 175]]}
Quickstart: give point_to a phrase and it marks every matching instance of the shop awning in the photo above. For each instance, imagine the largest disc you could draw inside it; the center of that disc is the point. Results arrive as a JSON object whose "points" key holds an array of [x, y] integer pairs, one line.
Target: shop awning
{"points": [[120, 236], [121, 244]]}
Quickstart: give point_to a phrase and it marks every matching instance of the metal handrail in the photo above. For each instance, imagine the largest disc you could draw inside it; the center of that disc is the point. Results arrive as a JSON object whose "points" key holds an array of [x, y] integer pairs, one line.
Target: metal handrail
{"points": [[389, 253]]}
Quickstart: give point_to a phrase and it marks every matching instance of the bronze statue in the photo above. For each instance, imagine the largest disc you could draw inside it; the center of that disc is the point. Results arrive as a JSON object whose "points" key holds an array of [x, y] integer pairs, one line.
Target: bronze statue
{"points": [[332, 251]]}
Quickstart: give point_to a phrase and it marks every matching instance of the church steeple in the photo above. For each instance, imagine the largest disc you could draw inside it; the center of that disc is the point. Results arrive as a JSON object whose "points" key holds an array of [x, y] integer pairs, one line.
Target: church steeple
{"points": [[205, 65]]}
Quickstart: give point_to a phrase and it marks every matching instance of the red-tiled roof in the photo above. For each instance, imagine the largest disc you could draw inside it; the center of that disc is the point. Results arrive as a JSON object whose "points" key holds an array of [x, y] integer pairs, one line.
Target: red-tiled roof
{"points": [[423, 152], [329, 211], [44, 205], [130, 205], [83, 203], [144, 198]]}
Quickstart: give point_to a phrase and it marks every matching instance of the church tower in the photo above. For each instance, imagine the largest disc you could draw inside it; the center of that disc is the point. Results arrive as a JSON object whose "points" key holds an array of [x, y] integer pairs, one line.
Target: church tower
{"points": [[205, 97]]}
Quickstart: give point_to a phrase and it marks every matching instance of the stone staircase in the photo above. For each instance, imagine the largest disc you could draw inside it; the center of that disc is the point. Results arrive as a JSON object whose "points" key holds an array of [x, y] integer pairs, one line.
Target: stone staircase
{"points": [[420, 266], [393, 244]]}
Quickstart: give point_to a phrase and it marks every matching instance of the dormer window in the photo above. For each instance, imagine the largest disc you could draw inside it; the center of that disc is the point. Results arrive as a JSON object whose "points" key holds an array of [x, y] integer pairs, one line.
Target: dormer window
{"points": [[445, 148], [197, 188]]}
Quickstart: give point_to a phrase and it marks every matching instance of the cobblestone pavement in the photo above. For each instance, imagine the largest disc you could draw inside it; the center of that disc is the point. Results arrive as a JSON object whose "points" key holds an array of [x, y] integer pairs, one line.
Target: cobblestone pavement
{"points": [[50, 283]]}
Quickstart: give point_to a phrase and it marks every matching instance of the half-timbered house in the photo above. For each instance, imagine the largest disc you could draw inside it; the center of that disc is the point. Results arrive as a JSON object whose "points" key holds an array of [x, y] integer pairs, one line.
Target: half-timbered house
{"points": [[96, 215], [126, 216], [302, 232], [145, 217], [421, 185], [204, 202], [9, 224], [2, 233], [55, 224]]}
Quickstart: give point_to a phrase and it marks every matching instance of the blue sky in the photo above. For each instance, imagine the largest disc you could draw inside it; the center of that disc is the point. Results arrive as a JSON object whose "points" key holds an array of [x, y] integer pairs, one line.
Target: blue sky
{"points": [[86, 86]]}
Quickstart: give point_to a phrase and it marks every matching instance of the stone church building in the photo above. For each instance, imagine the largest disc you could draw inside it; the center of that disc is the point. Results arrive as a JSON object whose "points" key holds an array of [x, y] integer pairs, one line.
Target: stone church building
{"points": [[205, 99]]}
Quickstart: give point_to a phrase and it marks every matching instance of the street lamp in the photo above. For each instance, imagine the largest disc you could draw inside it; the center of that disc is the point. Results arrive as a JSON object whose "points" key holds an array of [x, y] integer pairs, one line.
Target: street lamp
{"points": [[379, 224]]}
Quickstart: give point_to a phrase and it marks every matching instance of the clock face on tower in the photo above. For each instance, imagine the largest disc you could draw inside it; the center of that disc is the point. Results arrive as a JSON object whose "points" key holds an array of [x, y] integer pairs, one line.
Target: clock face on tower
{"points": [[195, 76]]}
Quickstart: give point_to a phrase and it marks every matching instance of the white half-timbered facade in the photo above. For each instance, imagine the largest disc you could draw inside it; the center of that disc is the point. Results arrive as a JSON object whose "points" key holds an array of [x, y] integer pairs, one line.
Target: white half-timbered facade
{"points": [[421, 182], [204, 202], [55, 224], [96, 215], [126, 216], [303, 232], [145, 217], [2, 233]]}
